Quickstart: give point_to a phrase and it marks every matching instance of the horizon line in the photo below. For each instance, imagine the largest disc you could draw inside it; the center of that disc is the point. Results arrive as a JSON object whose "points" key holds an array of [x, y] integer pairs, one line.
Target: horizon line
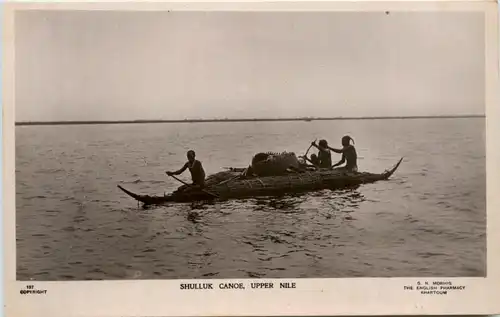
{"points": [[139, 121]]}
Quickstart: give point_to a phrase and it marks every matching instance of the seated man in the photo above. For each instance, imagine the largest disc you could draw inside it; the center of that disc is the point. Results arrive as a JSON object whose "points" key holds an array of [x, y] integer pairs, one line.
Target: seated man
{"points": [[349, 155], [195, 168], [324, 154], [315, 160]]}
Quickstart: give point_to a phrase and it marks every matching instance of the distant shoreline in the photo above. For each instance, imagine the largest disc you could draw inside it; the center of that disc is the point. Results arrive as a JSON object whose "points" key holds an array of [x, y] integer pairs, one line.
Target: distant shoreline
{"points": [[32, 123]]}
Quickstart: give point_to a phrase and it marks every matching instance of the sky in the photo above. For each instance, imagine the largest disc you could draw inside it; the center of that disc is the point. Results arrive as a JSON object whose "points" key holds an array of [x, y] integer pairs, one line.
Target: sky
{"points": [[111, 65]]}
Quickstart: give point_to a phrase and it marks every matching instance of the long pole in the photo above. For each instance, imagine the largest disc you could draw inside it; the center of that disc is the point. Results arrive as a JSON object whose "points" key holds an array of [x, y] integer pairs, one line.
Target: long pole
{"points": [[309, 148], [183, 182]]}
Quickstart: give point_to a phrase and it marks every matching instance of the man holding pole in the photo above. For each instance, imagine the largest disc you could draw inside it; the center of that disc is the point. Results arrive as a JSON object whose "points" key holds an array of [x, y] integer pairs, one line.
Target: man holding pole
{"points": [[195, 168]]}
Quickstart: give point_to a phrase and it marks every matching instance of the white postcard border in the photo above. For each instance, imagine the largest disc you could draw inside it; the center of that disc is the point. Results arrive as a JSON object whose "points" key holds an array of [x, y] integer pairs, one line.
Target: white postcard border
{"points": [[340, 296]]}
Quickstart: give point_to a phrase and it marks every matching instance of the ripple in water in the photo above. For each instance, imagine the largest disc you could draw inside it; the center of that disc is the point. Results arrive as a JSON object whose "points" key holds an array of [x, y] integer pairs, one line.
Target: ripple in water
{"points": [[426, 217]]}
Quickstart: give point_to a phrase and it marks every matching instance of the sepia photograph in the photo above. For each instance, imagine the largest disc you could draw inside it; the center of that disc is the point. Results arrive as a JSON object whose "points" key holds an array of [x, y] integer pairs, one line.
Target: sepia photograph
{"points": [[263, 146], [294, 144]]}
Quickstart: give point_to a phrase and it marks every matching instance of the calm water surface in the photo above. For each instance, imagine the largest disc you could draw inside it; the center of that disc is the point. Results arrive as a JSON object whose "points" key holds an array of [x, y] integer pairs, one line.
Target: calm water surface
{"points": [[73, 223]]}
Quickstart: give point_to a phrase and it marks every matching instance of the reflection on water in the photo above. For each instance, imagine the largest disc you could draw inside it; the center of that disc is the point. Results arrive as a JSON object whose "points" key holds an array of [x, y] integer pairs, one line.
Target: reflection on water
{"points": [[339, 201], [73, 223]]}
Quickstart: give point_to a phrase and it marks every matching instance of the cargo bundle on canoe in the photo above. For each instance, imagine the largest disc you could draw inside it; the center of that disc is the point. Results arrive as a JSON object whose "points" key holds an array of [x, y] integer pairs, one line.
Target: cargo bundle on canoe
{"points": [[234, 183]]}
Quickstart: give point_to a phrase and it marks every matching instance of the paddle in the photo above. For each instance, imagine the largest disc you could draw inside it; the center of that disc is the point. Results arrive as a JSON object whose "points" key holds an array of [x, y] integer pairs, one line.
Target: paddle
{"points": [[305, 155], [183, 182], [309, 148]]}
